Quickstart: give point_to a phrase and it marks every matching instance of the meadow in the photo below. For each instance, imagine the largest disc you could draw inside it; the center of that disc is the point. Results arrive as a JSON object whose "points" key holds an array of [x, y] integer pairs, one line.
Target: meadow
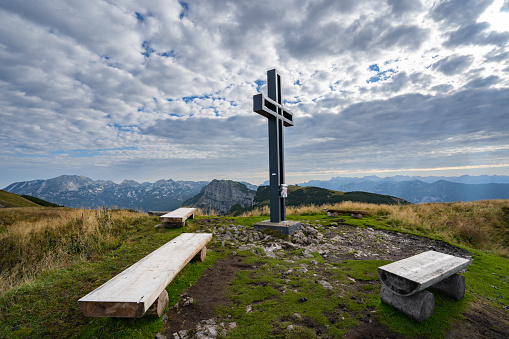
{"points": [[49, 257]]}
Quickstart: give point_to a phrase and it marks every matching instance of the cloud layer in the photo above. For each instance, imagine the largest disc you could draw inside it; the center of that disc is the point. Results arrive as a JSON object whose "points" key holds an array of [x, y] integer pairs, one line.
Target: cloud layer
{"points": [[163, 89]]}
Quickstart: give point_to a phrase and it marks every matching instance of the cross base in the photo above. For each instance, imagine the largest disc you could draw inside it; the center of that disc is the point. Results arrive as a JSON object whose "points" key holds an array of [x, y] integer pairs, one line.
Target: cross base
{"points": [[286, 227]]}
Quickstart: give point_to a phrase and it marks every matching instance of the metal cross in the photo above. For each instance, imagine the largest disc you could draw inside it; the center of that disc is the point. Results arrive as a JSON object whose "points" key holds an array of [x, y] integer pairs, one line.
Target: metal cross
{"points": [[272, 108]]}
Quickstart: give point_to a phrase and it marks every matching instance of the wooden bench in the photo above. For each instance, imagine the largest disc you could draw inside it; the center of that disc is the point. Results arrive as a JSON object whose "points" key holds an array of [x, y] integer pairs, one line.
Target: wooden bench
{"points": [[141, 288], [404, 282], [177, 218], [354, 213]]}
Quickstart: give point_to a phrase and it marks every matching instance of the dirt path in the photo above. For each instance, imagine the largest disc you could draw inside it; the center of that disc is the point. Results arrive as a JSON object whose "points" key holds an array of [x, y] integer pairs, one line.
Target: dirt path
{"points": [[335, 244]]}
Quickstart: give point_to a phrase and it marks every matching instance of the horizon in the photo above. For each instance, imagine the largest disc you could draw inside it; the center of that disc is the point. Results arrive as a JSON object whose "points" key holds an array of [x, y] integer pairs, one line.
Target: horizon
{"points": [[265, 183], [144, 91]]}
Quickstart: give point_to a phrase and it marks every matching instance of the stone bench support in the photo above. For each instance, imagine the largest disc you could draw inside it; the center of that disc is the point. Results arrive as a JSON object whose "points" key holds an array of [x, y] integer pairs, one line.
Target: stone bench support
{"points": [[404, 282]]}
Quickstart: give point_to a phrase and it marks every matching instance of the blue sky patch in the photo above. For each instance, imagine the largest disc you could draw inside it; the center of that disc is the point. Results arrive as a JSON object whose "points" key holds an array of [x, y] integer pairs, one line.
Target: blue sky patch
{"points": [[148, 50], [374, 67], [381, 76], [139, 17], [259, 84], [185, 9]]}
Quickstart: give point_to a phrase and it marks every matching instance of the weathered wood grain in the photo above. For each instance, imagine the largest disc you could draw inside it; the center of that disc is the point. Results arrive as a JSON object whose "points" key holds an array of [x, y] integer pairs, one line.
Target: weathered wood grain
{"points": [[179, 215], [414, 274], [133, 291]]}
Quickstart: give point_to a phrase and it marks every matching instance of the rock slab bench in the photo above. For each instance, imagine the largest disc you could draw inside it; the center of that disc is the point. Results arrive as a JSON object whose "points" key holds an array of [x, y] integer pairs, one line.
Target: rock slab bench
{"points": [[177, 218], [404, 282], [141, 288]]}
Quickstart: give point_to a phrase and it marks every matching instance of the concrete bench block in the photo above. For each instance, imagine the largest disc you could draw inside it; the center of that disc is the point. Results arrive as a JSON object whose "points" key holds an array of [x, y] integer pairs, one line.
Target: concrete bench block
{"points": [[453, 287], [418, 306]]}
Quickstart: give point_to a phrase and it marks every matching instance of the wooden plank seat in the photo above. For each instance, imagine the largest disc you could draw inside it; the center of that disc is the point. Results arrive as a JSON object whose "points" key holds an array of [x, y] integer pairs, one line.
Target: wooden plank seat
{"points": [[177, 218], [404, 282], [141, 288], [354, 213]]}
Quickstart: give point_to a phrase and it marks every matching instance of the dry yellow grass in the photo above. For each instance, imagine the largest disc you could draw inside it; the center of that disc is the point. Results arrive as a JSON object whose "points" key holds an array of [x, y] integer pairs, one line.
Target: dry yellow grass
{"points": [[35, 240], [478, 224]]}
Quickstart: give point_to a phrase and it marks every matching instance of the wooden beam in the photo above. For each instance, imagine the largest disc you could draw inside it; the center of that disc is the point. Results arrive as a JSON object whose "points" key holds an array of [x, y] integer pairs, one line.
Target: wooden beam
{"points": [[133, 291]]}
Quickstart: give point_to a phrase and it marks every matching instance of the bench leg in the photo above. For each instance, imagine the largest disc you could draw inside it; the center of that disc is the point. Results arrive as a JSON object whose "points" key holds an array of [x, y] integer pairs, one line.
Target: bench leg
{"points": [[201, 255], [418, 306], [159, 305], [453, 287]]}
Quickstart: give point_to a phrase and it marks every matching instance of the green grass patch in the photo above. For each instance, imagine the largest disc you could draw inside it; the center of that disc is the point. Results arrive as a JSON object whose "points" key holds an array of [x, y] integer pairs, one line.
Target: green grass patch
{"points": [[48, 307], [363, 270]]}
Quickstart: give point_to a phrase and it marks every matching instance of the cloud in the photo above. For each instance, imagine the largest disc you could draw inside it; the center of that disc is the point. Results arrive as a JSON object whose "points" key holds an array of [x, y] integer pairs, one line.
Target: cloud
{"points": [[459, 12], [477, 34], [453, 64], [99, 86]]}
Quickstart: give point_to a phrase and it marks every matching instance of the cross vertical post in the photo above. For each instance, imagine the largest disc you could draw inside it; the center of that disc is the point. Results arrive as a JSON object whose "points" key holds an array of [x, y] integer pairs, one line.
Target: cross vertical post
{"points": [[271, 107]]}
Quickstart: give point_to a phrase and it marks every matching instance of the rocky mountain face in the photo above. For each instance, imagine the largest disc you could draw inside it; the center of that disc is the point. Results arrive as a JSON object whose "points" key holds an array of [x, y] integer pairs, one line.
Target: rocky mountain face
{"points": [[222, 195], [79, 191]]}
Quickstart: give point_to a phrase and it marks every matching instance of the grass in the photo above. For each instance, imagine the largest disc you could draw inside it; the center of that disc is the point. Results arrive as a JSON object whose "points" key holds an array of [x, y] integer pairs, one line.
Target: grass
{"points": [[482, 225], [8, 199], [78, 250], [46, 305]]}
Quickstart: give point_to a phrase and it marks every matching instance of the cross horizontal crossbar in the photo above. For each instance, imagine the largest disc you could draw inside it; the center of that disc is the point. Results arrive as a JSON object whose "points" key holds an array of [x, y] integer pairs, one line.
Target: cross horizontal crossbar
{"points": [[267, 107]]}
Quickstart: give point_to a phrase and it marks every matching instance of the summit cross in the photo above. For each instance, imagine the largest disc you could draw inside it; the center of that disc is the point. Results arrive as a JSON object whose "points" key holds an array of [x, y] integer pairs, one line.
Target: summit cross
{"points": [[272, 108]]}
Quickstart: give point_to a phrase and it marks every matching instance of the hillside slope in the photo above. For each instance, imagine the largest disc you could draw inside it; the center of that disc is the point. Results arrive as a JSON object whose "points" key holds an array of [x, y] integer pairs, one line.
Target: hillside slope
{"points": [[8, 199], [298, 196]]}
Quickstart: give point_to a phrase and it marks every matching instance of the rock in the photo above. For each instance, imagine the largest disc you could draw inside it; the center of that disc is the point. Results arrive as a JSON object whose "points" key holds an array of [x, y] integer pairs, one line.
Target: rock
{"points": [[210, 322], [187, 302], [290, 328], [297, 315], [161, 336], [232, 325], [183, 334], [248, 308], [210, 330], [326, 285], [303, 299]]}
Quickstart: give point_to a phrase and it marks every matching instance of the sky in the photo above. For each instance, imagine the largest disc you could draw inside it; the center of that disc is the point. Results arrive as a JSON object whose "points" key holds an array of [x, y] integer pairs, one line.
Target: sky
{"points": [[148, 90]]}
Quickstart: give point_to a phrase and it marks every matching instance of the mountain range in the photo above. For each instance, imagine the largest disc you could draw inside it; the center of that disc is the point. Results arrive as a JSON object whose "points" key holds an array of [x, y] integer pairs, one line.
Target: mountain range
{"points": [[79, 191], [423, 189]]}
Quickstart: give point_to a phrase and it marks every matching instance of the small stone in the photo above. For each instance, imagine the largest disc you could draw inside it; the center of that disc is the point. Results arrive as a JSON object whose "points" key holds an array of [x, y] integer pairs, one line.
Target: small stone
{"points": [[297, 315], [290, 328], [188, 302], [183, 334], [161, 336], [210, 322], [175, 336], [232, 325], [248, 308], [303, 299], [210, 330], [326, 285]]}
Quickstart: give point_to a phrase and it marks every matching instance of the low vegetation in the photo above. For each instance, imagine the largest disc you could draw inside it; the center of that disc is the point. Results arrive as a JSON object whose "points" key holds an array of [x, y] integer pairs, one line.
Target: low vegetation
{"points": [[50, 257], [481, 225], [36, 240]]}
